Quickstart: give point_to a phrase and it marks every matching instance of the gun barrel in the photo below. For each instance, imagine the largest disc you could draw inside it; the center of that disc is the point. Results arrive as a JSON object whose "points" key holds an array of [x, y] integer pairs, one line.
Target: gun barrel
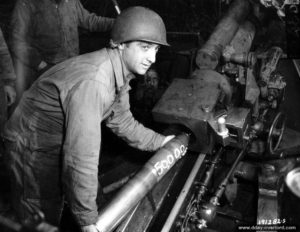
{"points": [[138, 187]]}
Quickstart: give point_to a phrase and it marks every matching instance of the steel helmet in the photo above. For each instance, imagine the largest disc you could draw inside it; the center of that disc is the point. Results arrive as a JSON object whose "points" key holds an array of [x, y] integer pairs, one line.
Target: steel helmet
{"points": [[139, 23]]}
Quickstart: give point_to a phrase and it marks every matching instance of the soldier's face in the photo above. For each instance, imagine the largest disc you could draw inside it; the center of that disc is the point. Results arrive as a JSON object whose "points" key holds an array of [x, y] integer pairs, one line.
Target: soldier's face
{"points": [[138, 56]]}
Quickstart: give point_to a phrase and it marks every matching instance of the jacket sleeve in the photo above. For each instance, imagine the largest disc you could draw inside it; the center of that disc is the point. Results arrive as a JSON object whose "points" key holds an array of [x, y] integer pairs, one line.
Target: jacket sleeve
{"points": [[83, 110], [122, 123], [7, 74], [91, 21], [21, 45]]}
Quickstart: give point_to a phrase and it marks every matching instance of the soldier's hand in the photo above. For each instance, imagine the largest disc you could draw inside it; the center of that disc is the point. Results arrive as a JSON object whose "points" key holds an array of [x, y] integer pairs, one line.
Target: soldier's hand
{"points": [[89, 228], [10, 94]]}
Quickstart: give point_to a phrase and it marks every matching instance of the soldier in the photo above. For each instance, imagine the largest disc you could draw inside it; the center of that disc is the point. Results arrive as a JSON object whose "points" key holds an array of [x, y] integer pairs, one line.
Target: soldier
{"points": [[54, 136], [45, 32]]}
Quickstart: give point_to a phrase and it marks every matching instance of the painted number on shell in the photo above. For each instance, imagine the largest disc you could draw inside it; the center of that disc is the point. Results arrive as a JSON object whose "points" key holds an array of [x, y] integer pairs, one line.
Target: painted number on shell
{"points": [[164, 165]]}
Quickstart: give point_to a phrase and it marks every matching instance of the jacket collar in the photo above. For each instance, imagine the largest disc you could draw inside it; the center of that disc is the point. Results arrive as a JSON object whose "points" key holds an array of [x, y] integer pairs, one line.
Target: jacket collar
{"points": [[122, 74]]}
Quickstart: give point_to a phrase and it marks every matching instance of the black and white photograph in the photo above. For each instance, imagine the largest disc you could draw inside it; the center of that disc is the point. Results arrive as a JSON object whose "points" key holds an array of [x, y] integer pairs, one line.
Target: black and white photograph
{"points": [[149, 115]]}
